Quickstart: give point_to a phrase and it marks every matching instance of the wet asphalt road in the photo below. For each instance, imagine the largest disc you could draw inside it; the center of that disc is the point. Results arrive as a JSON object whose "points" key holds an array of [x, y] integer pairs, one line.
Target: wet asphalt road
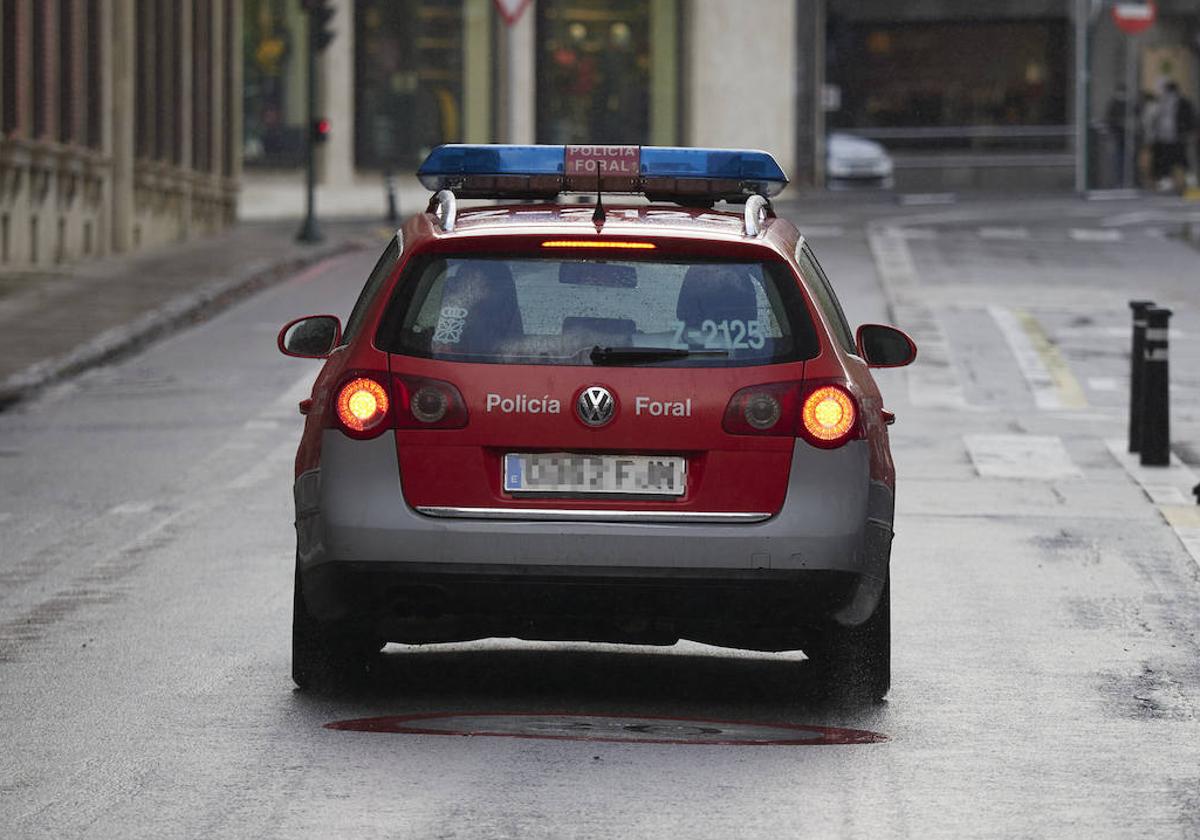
{"points": [[1046, 671]]}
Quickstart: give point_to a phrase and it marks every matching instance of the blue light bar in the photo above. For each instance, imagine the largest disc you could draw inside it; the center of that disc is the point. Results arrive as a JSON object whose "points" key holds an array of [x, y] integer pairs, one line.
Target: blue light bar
{"points": [[659, 172]]}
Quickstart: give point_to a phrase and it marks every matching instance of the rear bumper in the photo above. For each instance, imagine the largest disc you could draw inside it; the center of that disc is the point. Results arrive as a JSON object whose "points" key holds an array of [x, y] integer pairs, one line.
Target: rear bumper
{"points": [[351, 515], [422, 603]]}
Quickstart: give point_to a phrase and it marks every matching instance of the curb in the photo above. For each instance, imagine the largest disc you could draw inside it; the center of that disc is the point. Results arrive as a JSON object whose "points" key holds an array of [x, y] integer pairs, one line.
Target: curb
{"points": [[122, 341]]}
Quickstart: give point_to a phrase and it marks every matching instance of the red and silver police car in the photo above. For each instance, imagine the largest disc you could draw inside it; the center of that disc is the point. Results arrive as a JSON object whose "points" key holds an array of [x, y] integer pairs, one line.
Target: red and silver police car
{"points": [[626, 422]]}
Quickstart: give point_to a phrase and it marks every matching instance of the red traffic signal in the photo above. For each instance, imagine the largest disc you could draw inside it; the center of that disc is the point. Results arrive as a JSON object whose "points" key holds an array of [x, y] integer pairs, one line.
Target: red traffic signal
{"points": [[320, 130]]}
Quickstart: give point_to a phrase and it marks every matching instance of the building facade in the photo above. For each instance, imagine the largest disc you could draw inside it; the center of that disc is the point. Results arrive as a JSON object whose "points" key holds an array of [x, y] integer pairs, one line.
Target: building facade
{"points": [[1006, 94], [402, 76], [121, 125]]}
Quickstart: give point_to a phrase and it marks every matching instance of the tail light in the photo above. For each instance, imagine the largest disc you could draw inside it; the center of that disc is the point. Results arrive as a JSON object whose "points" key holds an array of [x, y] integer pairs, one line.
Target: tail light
{"points": [[824, 414], [428, 404], [764, 410], [361, 406], [364, 407], [828, 416]]}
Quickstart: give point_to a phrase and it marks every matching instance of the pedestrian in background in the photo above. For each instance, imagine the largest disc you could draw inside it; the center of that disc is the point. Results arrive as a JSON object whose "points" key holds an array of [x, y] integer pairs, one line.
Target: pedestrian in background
{"points": [[1147, 118], [1114, 122], [1173, 126]]}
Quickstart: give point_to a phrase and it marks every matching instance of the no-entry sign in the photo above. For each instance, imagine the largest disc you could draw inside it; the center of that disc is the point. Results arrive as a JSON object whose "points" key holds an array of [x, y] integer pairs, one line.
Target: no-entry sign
{"points": [[511, 10], [1132, 18]]}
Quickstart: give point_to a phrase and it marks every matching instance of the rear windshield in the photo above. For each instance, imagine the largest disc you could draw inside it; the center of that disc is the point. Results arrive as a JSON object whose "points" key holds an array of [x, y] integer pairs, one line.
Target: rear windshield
{"points": [[569, 311]]}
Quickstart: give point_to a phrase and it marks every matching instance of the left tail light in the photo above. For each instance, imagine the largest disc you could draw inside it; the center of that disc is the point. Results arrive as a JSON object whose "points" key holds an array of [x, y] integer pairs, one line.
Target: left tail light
{"points": [[361, 407], [365, 407]]}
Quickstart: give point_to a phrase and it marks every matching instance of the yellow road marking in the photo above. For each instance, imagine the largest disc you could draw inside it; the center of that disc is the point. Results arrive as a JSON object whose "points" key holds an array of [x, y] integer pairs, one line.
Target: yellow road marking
{"points": [[1181, 516], [1069, 389]]}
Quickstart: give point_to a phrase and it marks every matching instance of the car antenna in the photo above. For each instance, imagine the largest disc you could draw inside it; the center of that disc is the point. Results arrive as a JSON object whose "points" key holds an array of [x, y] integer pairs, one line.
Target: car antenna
{"points": [[598, 216]]}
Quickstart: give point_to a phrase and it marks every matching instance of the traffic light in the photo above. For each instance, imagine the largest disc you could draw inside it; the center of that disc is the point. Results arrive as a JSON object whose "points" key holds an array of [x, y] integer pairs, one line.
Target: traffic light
{"points": [[320, 129], [320, 13]]}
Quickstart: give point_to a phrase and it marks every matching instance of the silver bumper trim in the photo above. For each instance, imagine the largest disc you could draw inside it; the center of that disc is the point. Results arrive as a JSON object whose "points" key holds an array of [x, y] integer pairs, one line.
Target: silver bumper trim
{"points": [[564, 515]]}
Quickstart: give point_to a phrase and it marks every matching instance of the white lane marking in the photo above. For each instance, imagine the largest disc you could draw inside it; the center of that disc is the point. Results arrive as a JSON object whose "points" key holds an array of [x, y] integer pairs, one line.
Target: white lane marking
{"points": [[256, 424], [927, 199], [933, 380], [1016, 233], [1103, 383], [1169, 488], [919, 233], [5, 516], [1045, 371], [1092, 235], [1020, 456], [266, 467], [131, 508]]}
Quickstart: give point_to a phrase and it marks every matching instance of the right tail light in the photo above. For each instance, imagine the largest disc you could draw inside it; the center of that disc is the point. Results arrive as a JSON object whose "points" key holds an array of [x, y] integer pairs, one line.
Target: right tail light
{"points": [[825, 414]]}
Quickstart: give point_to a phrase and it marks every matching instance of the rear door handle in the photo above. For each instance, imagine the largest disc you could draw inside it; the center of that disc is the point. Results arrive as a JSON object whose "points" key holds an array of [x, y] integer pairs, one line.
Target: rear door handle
{"points": [[305, 406], [888, 417]]}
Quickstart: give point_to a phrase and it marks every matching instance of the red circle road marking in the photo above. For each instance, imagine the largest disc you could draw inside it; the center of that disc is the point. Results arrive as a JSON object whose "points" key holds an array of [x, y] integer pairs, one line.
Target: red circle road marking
{"points": [[617, 729]]}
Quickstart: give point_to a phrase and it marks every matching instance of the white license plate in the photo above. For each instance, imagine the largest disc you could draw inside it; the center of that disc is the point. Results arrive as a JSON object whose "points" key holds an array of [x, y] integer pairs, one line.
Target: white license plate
{"points": [[572, 474]]}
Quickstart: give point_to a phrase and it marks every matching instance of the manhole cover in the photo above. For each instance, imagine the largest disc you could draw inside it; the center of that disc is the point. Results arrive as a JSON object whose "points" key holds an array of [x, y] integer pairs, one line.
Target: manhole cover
{"points": [[557, 726]]}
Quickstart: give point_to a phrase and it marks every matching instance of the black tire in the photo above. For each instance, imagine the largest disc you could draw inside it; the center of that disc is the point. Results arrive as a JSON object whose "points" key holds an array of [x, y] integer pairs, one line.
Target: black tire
{"points": [[324, 656], [856, 662]]}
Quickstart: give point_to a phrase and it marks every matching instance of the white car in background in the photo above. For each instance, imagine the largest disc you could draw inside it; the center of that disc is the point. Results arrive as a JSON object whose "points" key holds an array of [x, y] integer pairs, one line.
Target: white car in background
{"points": [[856, 161]]}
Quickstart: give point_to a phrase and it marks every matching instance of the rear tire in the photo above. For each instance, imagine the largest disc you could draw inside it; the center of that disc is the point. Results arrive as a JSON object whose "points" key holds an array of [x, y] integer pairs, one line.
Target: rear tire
{"points": [[856, 662], [323, 655]]}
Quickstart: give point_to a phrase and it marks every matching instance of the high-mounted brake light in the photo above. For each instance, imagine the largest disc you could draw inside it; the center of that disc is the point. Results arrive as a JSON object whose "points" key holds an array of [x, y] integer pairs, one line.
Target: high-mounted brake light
{"points": [[498, 171], [598, 243], [361, 405]]}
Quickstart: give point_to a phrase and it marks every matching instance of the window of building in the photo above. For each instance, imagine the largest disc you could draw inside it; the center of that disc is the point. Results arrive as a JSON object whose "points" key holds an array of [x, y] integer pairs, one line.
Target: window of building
{"points": [[10, 69], [95, 97], [595, 68], [68, 67], [274, 107], [409, 79], [975, 84], [145, 78], [41, 24], [201, 132]]}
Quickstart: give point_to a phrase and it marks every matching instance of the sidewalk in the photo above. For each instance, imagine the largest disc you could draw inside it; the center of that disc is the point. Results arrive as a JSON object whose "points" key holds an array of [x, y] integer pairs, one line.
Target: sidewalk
{"points": [[56, 324]]}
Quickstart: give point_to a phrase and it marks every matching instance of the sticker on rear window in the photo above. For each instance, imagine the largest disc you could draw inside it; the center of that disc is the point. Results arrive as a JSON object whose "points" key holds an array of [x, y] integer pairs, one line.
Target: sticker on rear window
{"points": [[450, 325]]}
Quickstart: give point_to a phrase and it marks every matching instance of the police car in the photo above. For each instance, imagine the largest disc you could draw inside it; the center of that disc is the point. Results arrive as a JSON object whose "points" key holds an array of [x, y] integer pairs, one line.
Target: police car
{"points": [[637, 420]]}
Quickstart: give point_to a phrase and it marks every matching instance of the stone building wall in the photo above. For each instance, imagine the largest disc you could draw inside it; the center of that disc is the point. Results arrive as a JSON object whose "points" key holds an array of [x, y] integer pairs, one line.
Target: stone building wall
{"points": [[119, 128]]}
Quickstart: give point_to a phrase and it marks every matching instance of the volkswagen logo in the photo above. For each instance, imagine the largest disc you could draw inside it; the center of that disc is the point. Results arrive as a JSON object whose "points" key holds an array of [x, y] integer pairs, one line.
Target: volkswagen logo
{"points": [[595, 405]]}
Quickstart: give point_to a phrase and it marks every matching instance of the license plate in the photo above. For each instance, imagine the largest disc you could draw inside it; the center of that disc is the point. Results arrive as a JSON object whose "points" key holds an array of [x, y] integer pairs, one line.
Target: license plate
{"points": [[565, 473]]}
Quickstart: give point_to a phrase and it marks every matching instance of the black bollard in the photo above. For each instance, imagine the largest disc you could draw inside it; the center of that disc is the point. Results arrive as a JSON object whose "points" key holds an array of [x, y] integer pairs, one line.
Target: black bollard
{"points": [[1137, 350], [1156, 400]]}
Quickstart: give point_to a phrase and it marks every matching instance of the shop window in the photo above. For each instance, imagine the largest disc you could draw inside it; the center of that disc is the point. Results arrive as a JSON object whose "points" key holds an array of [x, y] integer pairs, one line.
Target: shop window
{"points": [[594, 71], [911, 81], [409, 68], [274, 108]]}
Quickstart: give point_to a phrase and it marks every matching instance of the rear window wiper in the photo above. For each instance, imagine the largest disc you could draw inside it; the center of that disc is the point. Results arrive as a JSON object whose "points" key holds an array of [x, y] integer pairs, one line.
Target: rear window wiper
{"points": [[633, 355]]}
